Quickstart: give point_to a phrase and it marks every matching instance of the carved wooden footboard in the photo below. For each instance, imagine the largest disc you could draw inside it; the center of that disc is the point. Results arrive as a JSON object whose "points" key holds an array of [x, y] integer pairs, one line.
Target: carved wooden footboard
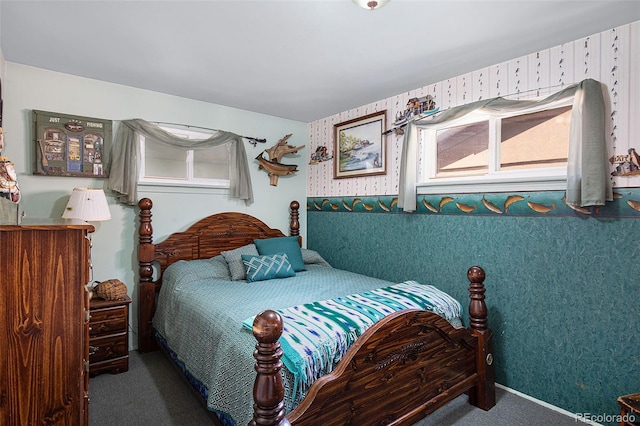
{"points": [[403, 368]]}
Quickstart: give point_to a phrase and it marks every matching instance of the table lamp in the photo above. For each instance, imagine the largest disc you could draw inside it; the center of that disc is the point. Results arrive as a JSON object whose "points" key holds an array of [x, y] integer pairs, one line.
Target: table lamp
{"points": [[90, 205], [87, 204]]}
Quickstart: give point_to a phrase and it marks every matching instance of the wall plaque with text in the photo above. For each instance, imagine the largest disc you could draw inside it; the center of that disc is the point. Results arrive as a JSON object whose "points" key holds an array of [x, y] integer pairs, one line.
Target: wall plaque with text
{"points": [[70, 145]]}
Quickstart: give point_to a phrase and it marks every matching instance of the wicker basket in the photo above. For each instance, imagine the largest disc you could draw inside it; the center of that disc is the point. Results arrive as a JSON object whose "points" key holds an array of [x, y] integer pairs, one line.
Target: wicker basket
{"points": [[110, 290]]}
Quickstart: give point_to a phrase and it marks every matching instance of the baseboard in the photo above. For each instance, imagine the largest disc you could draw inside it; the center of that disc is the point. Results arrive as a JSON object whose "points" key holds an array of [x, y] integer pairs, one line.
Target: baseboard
{"points": [[547, 405]]}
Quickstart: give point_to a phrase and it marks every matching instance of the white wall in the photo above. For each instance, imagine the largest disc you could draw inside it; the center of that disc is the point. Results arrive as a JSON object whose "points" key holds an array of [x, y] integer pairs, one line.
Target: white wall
{"points": [[1, 54], [114, 242], [2, 80], [1, 66], [611, 57]]}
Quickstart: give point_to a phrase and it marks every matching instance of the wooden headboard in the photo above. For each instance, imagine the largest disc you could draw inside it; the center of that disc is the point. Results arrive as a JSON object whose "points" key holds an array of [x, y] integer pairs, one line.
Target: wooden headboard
{"points": [[204, 239]]}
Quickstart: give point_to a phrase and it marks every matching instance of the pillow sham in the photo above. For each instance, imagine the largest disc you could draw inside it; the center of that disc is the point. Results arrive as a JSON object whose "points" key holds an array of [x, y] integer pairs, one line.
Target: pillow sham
{"points": [[267, 267], [234, 261], [215, 267], [212, 268], [312, 257], [288, 245]]}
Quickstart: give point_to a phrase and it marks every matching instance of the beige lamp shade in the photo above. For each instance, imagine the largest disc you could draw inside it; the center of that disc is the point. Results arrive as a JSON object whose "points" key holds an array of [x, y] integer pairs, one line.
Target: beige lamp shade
{"points": [[87, 204]]}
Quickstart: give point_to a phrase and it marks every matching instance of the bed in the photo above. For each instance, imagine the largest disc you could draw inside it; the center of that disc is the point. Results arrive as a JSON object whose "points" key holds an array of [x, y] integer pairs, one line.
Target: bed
{"points": [[245, 373]]}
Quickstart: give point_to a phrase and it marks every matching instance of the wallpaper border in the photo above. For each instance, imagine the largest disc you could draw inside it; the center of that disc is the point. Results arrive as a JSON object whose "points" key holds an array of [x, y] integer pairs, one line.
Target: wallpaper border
{"points": [[626, 203]]}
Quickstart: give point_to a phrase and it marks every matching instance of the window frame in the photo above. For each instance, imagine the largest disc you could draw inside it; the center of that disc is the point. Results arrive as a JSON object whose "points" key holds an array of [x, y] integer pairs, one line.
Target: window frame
{"points": [[190, 181], [531, 179]]}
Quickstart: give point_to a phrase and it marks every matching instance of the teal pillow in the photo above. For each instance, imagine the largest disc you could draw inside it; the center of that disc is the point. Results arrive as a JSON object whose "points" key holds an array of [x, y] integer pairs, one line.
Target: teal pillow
{"points": [[260, 268], [288, 245]]}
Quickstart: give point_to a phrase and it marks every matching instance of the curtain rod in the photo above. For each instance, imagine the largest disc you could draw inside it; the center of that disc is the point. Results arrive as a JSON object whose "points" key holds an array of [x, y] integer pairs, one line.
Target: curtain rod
{"points": [[537, 90], [399, 129], [251, 139]]}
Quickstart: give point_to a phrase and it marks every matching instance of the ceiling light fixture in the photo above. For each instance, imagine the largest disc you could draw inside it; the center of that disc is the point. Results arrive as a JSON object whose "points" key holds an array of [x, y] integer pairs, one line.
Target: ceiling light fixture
{"points": [[371, 4]]}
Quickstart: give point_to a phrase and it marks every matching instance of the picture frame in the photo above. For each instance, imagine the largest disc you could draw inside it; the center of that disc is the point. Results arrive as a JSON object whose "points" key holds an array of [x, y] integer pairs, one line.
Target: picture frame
{"points": [[359, 146], [70, 145]]}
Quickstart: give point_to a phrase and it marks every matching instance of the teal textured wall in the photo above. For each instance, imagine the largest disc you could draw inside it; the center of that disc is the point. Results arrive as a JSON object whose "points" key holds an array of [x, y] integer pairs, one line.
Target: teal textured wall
{"points": [[562, 290]]}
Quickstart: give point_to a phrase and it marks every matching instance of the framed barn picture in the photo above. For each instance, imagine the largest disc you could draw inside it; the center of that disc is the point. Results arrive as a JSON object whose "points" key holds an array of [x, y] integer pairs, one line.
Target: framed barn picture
{"points": [[359, 146], [70, 145]]}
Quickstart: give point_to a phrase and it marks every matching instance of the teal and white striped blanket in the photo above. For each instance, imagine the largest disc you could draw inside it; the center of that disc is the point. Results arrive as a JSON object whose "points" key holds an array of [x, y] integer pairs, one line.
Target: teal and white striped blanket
{"points": [[317, 335]]}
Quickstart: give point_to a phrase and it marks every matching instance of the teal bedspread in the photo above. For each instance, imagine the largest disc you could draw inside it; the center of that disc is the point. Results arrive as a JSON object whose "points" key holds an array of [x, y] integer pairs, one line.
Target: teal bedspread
{"points": [[200, 316]]}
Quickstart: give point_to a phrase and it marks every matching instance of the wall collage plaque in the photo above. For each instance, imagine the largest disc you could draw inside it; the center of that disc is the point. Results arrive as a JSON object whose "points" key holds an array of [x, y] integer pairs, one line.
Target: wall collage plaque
{"points": [[70, 145]]}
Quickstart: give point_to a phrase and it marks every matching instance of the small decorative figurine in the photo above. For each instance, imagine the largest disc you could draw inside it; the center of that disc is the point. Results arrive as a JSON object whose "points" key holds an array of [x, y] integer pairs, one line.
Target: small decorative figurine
{"points": [[626, 165], [416, 109], [9, 188], [321, 154], [273, 166]]}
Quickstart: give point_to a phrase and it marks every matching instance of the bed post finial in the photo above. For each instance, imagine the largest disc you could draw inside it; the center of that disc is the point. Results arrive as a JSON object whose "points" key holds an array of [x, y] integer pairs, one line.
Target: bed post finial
{"points": [[146, 288], [145, 230], [483, 395], [294, 224], [477, 306], [268, 389]]}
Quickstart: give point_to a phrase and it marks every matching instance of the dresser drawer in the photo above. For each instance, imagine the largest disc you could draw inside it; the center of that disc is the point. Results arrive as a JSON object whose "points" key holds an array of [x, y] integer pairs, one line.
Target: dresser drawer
{"points": [[108, 321], [114, 366], [108, 347]]}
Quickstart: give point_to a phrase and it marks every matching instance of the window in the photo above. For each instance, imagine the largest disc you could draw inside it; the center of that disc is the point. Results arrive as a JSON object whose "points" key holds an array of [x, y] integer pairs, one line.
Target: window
{"points": [[170, 165], [463, 150], [497, 152]]}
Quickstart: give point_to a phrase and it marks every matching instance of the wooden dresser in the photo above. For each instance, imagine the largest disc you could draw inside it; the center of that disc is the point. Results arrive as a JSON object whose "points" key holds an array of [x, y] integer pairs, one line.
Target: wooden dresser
{"points": [[44, 317]]}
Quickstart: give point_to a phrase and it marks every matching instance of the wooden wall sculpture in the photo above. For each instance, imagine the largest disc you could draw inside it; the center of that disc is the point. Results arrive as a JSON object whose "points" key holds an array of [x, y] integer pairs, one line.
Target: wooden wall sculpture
{"points": [[273, 166]]}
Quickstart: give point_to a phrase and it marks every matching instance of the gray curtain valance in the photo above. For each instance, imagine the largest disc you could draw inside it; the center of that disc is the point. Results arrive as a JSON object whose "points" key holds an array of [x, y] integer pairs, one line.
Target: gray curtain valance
{"points": [[125, 159], [588, 180]]}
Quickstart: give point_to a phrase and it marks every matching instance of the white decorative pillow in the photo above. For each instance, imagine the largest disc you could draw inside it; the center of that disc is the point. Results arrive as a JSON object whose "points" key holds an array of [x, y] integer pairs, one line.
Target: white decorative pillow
{"points": [[267, 267], [234, 261]]}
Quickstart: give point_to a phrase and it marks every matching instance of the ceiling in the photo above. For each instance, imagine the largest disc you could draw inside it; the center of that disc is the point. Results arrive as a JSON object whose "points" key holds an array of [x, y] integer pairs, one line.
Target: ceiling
{"points": [[302, 60]]}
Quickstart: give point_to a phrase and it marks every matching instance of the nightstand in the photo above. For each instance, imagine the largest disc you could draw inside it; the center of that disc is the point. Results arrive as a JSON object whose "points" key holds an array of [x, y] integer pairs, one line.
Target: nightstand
{"points": [[108, 336]]}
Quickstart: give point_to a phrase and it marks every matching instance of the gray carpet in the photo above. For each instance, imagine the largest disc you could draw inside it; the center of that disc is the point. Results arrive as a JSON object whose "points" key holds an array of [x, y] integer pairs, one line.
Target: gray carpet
{"points": [[153, 393]]}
